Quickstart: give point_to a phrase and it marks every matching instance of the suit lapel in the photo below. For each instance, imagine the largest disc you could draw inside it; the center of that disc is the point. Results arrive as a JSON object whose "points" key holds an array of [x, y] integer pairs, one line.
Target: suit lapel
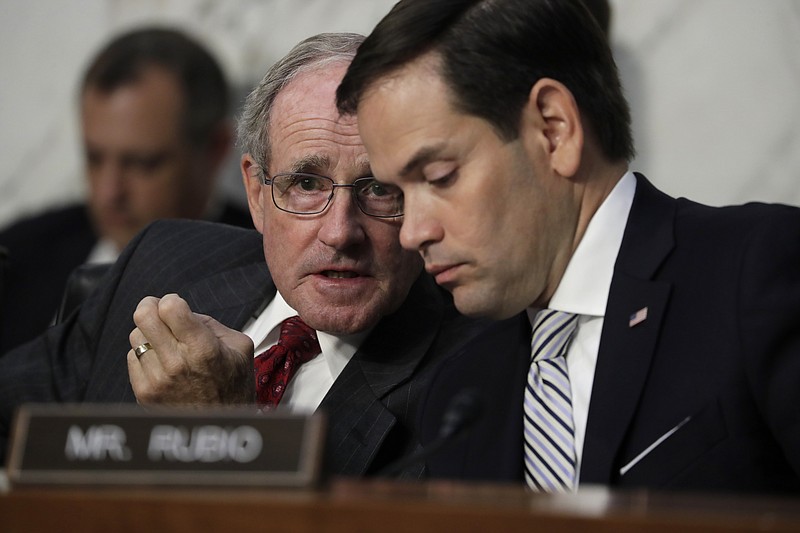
{"points": [[361, 405], [628, 343], [233, 296]]}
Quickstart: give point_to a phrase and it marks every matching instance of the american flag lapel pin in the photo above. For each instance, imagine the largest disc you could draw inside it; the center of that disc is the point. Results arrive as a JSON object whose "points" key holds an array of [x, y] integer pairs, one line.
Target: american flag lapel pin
{"points": [[638, 317]]}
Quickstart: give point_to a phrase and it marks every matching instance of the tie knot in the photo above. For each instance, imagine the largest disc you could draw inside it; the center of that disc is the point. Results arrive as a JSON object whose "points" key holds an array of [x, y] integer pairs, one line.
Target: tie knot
{"points": [[552, 331], [275, 368], [298, 337]]}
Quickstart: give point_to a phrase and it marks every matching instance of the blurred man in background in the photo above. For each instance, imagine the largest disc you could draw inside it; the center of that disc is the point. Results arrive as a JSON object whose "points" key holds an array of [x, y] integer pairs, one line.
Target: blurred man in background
{"points": [[154, 119]]}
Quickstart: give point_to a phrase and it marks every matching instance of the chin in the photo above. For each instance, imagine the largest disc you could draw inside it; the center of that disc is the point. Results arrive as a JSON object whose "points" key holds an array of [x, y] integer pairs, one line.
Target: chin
{"points": [[120, 240], [479, 305], [342, 322]]}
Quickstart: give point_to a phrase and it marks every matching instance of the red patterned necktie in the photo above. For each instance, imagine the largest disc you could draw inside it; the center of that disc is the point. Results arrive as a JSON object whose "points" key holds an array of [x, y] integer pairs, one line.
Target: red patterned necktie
{"points": [[274, 368]]}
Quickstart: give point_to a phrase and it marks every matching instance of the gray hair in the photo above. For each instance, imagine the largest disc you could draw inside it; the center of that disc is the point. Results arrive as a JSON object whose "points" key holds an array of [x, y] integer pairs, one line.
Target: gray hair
{"points": [[313, 53]]}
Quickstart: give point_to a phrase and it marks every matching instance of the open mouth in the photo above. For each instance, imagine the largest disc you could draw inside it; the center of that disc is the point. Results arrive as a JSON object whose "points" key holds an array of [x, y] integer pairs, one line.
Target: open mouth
{"points": [[337, 274]]}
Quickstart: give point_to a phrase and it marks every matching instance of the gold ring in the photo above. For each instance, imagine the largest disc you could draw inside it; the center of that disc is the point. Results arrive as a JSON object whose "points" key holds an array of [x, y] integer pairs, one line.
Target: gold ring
{"points": [[139, 350]]}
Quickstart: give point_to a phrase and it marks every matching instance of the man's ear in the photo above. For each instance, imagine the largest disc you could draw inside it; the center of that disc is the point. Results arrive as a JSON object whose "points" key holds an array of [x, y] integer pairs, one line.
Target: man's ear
{"points": [[257, 193], [552, 115]]}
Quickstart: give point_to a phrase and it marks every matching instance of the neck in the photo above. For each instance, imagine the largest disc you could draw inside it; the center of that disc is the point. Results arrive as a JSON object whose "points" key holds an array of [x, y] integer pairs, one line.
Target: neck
{"points": [[592, 188], [593, 192]]}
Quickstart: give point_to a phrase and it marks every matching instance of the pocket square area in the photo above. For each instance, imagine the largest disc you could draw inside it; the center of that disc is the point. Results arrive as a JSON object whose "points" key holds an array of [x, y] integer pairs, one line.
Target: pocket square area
{"points": [[656, 443]]}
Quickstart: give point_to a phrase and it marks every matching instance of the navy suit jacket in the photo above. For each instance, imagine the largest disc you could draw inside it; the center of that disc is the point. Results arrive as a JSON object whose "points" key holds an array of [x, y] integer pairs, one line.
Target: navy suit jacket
{"points": [[43, 251], [220, 271], [717, 360]]}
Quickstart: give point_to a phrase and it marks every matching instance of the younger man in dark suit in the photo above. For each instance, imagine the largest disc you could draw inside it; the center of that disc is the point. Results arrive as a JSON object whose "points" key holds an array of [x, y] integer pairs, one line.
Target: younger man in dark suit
{"points": [[666, 334]]}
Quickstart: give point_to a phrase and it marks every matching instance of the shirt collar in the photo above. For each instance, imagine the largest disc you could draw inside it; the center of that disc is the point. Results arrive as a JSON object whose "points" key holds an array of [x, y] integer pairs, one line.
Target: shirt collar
{"points": [[104, 251], [337, 350]]}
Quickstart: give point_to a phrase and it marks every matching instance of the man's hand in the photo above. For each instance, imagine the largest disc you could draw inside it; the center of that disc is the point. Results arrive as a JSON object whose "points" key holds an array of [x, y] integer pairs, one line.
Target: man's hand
{"points": [[194, 359]]}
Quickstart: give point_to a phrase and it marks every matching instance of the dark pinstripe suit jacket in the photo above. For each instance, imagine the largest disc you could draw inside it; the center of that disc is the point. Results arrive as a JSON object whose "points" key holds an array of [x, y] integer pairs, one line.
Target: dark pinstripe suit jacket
{"points": [[221, 272]]}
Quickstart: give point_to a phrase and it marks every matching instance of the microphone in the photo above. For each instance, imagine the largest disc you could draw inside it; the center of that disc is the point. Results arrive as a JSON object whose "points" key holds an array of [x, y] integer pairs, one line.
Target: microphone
{"points": [[462, 412]]}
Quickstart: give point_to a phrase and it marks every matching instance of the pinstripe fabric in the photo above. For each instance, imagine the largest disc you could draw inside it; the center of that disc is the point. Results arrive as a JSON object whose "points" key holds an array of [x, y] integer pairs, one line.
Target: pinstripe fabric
{"points": [[549, 436], [372, 406]]}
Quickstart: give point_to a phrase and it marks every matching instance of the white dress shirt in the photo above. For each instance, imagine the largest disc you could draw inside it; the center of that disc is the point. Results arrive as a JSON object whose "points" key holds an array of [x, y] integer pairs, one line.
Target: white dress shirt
{"points": [[313, 379], [104, 251], [584, 291]]}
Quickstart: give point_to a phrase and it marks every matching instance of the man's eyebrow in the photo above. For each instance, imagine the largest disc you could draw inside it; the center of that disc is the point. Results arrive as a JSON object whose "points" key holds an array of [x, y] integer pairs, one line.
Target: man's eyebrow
{"points": [[314, 163], [320, 164], [421, 157], [363, 165]]}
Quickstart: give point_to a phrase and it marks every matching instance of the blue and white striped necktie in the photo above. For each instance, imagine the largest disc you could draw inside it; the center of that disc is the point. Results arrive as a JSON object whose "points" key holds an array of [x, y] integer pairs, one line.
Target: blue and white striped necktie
{"points": [[549, 434]]}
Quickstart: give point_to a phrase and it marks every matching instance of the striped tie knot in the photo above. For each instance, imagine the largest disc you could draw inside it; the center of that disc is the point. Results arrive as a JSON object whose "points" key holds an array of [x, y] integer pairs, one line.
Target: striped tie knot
{"points": [[552, 331]]}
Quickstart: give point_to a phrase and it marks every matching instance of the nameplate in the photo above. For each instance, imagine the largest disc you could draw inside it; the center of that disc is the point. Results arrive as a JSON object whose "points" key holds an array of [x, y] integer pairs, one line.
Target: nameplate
{"points": [[105, 444]]}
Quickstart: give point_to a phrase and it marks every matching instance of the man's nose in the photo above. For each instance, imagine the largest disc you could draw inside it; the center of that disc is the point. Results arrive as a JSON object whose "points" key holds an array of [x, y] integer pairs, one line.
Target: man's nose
{"points": [[108, 185], [342, 221], [420, 228]]}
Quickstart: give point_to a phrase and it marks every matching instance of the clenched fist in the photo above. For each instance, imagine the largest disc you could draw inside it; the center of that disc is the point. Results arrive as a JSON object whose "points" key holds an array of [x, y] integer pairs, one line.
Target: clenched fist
{"points": [[194, 360]]}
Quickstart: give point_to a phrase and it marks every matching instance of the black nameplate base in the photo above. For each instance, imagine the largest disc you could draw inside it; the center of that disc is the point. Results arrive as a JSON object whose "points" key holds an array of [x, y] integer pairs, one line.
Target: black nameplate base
{"points": [[103, 444]]}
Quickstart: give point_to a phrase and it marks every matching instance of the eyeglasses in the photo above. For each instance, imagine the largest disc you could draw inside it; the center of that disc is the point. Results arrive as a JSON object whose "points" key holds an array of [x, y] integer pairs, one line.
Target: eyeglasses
{"points": [[309, 194]]}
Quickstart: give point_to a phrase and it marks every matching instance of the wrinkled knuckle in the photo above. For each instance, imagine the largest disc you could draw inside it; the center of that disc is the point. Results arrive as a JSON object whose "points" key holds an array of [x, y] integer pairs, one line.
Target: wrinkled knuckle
{"points": [[140, 314], [171, 304], [145, 315]]}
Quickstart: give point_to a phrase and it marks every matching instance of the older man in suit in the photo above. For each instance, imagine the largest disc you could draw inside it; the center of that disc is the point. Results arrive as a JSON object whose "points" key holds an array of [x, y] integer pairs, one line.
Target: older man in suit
{"points": [[372, 324], [665, 349]]}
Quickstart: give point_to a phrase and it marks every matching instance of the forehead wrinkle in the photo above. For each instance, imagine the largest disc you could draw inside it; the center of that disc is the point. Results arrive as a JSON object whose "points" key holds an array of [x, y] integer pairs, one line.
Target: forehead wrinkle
{"points": [[316, 125], [319, 143]]}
